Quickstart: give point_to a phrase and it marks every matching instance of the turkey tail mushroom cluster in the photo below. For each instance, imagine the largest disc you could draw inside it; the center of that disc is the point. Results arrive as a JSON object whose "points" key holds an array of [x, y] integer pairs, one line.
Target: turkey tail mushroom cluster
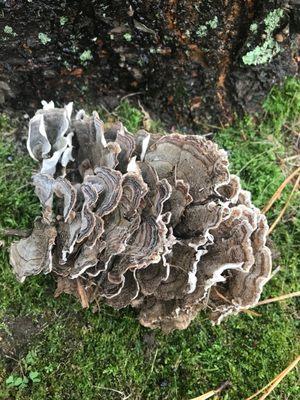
{"points": [[157, 223]]}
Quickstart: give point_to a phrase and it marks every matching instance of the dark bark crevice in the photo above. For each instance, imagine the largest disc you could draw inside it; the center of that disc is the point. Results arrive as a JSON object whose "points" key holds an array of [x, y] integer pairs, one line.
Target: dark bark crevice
{"points": [[184, 57]]}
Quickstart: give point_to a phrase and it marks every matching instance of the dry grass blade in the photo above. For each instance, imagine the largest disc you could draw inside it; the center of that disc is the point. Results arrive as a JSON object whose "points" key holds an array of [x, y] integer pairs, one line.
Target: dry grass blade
{"points": [[23, 233], [278, 192], [221, 296], [274, 382], [206, 395], [82, 294], [147, 121], [124, 396], [246, 310], [211, 393], [278, 298], [285, 206], [251, 312], [271, 300]]}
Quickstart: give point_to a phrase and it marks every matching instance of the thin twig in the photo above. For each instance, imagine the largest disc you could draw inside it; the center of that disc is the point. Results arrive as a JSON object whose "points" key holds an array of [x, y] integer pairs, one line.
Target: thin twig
{"points": [[130, 95], [153, 362], [211, 393], [274, 272], [245, 310], [285, 206], [274, 382], [206, 395], [19, 362], [107, 111], [291, 157], [278, 192], [206, 301], [250, 312], [147, 121], [221, 296], [278, 298]]}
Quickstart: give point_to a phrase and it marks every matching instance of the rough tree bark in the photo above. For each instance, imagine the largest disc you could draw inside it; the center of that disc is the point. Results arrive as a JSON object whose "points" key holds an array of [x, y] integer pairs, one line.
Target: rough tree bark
{"points": [[185, 59]]}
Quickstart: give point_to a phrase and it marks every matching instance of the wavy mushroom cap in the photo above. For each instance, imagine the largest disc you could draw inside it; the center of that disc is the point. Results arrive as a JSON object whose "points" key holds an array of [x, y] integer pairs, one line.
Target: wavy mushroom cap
{"points": [[157, 223]]}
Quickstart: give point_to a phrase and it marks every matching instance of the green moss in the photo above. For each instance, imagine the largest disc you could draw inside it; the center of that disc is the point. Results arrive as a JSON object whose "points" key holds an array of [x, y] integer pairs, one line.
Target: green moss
{"points": [[79, 354], [131, 117], [17, 202], [257, 146]]}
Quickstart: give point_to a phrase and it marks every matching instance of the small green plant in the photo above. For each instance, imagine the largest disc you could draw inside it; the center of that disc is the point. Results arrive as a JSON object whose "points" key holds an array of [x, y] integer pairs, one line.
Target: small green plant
{"points": [[44, 38], [86, 56], [34, 376], [14, 381], [30, 359], [29, 374]]}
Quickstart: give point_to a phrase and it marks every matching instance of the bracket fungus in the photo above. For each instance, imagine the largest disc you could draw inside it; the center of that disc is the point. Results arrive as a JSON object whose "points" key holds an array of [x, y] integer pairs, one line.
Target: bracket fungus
{"points": [[155, 222]]}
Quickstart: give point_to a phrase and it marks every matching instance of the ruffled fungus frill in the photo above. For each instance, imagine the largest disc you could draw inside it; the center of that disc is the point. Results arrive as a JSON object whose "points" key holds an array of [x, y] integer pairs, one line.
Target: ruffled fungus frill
{"points": [[157, 223]]}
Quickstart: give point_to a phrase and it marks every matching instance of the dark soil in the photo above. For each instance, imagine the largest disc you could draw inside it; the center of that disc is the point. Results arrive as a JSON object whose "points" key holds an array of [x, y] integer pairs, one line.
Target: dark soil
{"points": [[16, 338]]}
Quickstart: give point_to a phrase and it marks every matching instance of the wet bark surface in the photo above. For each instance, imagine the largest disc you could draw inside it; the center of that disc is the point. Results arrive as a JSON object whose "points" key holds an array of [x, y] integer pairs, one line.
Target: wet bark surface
{"points": [[183, 59]]}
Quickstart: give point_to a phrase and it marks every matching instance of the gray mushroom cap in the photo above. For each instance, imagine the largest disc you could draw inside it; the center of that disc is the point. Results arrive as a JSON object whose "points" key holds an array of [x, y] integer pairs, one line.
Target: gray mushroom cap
{"points": [[49, 137]]}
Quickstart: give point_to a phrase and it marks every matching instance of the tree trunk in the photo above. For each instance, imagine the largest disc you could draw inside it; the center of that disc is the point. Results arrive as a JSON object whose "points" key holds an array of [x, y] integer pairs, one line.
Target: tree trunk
{"points": [[190, 62]]}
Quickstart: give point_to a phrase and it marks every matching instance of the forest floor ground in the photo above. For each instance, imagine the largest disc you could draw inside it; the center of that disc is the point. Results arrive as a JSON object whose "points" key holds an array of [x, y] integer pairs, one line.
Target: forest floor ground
{"points": [[52, 349]]}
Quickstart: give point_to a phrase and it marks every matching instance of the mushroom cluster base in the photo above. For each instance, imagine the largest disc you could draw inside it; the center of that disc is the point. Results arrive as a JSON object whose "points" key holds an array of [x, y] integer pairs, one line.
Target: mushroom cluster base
{"points": [[155, 222]]}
